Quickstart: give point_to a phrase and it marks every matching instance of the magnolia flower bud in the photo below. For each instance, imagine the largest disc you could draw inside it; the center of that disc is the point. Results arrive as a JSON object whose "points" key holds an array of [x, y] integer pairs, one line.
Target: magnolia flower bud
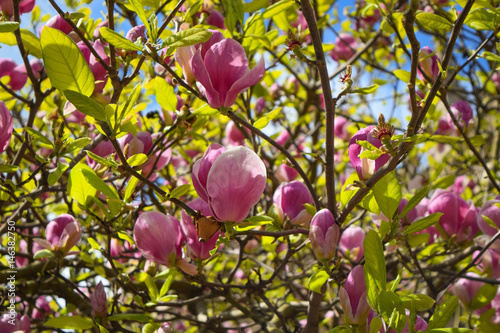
{"points": [[463, 112], [165, 328], [353, 297], [352, 241], [99, 302], [429, 65], [324, 235], [459, 217], [6, 127], [289, 199], [137, 32], [231, 181], [21, 323], [364, 166], [465, 289]]}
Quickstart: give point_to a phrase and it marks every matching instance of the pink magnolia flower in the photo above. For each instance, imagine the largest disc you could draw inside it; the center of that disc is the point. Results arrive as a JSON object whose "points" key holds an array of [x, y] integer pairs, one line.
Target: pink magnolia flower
{"points": [[215, 18], [353, 297], [36, 67], [340, 128], [465, 289], [489, 262], [57, 22], [42, 308], [284, 173], [231, 181], [25, 6], [18, 77], [165, 328], [22, 323], [463, 112], [417, 212], [137, 32], [195, 248], [289, 199], [99, 72], [183, 55], [140, 144], [6, 127], [461, 184], [97, 33], [260, 106], [345, 47], [234, 135], [98, 302], [223, 73], [459, 217], [103, 149], [429, 65], [364, 166], [490, 210], [159, 238], [351, 242], [62, 233], [324, 235]]}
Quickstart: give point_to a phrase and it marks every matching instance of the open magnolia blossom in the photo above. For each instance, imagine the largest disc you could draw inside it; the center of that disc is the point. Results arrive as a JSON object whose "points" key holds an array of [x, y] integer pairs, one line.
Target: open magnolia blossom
{"points": [[223, 73], [231, 181], [62, 233]]}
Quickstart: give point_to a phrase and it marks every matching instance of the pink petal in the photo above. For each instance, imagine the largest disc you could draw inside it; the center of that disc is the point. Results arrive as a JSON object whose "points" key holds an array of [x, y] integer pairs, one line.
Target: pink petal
{"points": [[249, 79], [201, 168], [6, 124], [226, 62], [204, 83], [235, 183]]}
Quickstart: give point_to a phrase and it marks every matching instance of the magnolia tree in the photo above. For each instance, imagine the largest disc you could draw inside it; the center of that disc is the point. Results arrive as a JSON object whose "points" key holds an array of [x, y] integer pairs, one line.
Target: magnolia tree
{"points": [[249, 166]]}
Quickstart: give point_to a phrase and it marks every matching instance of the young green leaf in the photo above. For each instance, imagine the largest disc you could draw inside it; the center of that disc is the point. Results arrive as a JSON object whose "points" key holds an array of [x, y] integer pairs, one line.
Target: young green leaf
{"points": [[118, 40], [422, 224], [186, 37], [443, 313], [64, 63], [434, 22], [388, 194], [99, 184], [85, 105], [374, 259]]}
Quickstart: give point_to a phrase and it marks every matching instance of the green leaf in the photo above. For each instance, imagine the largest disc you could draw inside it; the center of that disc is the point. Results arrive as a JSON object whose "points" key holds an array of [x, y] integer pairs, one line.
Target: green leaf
{"points": [[142, 318], [8, 26], [85, 105], [43, 254], [434, 22], [128, 108], [180, 191], [365, 90], [253, 222], [102, 329], [341, 329], [445, 139], [317, 280], [78, 187], [100, 160], [374, 259], [371, 154], [99, 184], [150, 328], [370, 203], [444, 182], [126, 237], [490, 222], [277, 8], [348, 192], [137, 159], [482, 19], [419, 302], [30, 41], [443, 313], [132, 184], [168, 282], [415, 200], [64, 63], [391, 309], [39, 137], [118, 40], [186, 37], [375, 325], [264, 120], [54, 176], [483, 296], [422, 224], [8, 168], [152, 288], [490, 56], [234, 14], [70, 322], [388, 194], [139, 10], [402, 75], [204, 110], [255, 5], [478, 140], [77, 145], [165, 95], [371, 290], [93, 243]]}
